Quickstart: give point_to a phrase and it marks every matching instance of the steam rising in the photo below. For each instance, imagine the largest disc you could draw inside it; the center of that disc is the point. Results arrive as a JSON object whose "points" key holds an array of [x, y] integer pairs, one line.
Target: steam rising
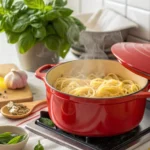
{"points": [[83, 68], [97, 46], [96, 43]]}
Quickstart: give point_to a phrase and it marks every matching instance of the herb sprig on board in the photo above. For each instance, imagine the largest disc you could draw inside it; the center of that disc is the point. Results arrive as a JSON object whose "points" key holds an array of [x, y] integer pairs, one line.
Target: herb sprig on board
{"points": [[27, 22]]}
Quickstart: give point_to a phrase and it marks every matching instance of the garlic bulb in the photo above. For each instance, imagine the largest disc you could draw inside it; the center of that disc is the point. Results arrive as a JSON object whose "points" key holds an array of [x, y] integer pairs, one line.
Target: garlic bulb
{"points": [[15, 79]]}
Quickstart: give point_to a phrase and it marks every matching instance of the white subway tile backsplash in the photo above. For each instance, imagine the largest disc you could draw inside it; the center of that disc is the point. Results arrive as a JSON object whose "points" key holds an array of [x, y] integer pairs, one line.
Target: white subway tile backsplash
{"points": [[90, 5], [143, 4], [131, 38], [142, 18], [120, 1], [118, 7], [75, 5]]}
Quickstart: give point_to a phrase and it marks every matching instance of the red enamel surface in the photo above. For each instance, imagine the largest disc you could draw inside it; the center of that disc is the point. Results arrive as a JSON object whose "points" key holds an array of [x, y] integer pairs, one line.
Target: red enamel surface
{"points": [[134, 56], [94, 119]]}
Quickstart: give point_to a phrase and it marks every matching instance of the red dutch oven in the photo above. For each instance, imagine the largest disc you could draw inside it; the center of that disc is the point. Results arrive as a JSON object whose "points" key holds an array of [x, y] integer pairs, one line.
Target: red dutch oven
{"points": [[95, 116]]}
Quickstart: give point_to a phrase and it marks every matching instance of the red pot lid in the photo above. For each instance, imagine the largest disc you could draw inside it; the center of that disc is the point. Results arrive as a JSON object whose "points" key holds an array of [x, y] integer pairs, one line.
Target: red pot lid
{"points": [[134, 56]]}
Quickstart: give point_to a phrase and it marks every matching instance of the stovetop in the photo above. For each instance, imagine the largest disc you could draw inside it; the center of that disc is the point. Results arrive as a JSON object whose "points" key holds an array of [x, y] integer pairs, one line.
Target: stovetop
{"points": [[129, 140]]}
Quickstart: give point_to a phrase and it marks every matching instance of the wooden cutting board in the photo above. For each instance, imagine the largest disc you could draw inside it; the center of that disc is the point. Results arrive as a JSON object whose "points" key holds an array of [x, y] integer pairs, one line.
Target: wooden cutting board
{"points": [[19, 95]]}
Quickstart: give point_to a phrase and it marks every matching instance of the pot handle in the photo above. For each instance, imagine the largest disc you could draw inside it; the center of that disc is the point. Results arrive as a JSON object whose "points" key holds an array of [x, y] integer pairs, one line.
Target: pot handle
{"points": [[40, 72], [143, 94]]}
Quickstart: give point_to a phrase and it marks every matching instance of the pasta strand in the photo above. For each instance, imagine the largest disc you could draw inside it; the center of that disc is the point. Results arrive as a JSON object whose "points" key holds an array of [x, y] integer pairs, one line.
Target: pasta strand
{"points": [[91, 85]]}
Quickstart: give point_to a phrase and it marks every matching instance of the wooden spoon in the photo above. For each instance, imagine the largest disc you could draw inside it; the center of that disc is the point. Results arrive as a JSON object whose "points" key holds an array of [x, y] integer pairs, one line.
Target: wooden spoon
{"points": [[31, 105]]}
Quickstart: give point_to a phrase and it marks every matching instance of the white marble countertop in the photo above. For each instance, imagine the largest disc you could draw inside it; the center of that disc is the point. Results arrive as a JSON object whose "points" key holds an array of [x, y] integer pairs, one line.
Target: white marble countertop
{"points": [[8, 55]]}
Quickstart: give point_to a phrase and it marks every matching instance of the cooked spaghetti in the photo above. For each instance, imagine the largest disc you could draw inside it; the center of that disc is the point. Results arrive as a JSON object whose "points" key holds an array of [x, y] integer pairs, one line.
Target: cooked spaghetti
{"points": [[110, 85]]}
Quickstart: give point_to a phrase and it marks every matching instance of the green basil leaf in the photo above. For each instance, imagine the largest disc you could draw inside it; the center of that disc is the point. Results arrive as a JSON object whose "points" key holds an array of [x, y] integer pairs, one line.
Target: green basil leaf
{"points": [[6, 134], [50, 30], [37, 4], [37, 25], [61, 27], [65, 12], [15, 140], [21, 24], [7, 4], [52, 42], [39, 146], [51, 15], [20, 10], [73, 34], [5, 137], [59, 3], [48, 8], [1, 28], [64, 48], [23, 18], [38, 13], [5, 140], [9, 138], [26, 41], [79, 24], [23, 137], [39, 33], [31, 12], [8, 22], [69, 21], [19, 27], [47, 122], [2, 11], [2, 22], [12, 37], [34, 19], [18, 5]]}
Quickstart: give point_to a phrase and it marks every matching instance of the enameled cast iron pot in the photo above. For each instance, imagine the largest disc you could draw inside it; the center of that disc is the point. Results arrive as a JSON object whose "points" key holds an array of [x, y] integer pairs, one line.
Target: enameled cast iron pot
{"points": [[94, 116]]}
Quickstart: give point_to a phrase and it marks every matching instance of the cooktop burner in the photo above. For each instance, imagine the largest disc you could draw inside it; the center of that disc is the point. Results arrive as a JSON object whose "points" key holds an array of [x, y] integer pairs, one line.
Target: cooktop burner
{"points": [[129, 140]]}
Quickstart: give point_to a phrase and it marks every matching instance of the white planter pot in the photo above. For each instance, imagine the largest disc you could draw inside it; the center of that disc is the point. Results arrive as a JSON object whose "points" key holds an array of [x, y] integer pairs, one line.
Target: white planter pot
{"points": [[37, 56]]}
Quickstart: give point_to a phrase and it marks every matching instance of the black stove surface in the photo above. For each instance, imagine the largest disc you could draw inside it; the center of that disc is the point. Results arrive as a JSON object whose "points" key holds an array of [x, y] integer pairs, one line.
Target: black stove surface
{"points": [[120, 142]]}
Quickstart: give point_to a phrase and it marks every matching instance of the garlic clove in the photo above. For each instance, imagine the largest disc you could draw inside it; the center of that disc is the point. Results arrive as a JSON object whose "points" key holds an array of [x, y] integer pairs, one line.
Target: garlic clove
{"points": [[15, 79], [8, 82], [22, 75]]}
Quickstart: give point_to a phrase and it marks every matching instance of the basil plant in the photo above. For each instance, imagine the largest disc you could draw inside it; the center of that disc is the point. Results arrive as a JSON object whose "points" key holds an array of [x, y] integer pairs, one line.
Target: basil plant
{"points": [[27, 22]]}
